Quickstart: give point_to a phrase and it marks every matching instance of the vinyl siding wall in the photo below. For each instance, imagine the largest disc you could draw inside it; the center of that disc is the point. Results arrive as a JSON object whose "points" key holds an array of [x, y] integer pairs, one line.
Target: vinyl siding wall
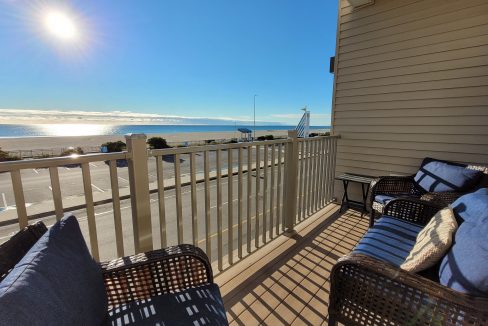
{"points": [[411, 81]]}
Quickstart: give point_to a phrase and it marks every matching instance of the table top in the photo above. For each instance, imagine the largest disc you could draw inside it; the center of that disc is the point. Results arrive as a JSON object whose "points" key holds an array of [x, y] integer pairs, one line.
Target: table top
{"points": [[360, 178]]}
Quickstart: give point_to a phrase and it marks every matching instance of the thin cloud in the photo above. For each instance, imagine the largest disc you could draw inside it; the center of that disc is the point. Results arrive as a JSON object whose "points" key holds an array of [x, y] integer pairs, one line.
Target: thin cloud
{"points": [[112, 117]]}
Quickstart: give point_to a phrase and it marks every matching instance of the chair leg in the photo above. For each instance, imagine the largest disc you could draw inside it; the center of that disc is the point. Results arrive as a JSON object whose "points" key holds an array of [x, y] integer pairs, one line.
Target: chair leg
{"points": [[371, 217], [332, 321]]}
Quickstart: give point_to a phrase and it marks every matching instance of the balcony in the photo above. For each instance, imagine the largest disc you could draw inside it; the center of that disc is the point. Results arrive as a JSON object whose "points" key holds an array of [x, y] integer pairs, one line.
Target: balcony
{"points": [[270, 264]]}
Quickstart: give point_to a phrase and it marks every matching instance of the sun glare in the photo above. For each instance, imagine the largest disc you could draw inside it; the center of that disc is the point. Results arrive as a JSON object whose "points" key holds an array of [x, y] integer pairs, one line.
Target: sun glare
{"points": [[61, 25]]}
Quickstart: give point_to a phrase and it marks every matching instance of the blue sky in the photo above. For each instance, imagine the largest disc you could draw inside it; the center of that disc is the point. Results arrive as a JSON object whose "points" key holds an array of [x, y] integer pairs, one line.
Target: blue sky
{"points": [[187, 58]]}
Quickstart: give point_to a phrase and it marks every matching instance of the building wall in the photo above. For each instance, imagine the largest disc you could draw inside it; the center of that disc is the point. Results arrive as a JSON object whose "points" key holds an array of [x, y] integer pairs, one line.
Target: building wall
{"points": [[411, 81]]}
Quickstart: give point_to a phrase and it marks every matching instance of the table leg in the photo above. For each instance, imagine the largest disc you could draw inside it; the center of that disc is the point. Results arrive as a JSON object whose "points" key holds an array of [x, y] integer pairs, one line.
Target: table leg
{"points": [[345, 197], [365, 198]]}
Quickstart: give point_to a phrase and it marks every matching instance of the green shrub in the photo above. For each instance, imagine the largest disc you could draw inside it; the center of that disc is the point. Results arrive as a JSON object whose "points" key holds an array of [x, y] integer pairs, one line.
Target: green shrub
{"points": [[113, 147], [5, 156], [266, 137], [157, 143], [71, 151]]}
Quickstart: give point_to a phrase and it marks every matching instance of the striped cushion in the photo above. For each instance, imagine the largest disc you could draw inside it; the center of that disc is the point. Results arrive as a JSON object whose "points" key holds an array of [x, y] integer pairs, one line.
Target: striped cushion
{"points": [[389, 240], [432, 242]]}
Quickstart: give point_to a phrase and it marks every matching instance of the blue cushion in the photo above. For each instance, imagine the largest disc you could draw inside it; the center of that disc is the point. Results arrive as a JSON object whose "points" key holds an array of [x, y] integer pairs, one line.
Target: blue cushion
{"points": [[195, 306], [383, 199], [57, 281], [389, 240], [436, 176], [464, 268], [472, 207]]}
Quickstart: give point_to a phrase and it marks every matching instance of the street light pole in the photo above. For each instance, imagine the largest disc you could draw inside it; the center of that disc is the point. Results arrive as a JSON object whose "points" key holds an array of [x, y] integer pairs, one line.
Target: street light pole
{"points": [[254, 137]]}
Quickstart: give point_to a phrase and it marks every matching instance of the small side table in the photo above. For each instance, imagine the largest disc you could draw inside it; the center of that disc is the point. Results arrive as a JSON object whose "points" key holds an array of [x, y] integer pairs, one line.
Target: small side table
{"points": [[364, 180]]}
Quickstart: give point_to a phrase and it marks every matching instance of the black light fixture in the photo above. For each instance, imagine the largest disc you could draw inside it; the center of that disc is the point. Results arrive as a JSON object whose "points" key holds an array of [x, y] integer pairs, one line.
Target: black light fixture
{"points": [[331, 65]]}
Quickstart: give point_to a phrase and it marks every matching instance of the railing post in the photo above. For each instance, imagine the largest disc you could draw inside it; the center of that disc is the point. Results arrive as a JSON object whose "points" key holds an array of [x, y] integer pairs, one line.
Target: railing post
{"points": [[291, 181], [139, 192]]}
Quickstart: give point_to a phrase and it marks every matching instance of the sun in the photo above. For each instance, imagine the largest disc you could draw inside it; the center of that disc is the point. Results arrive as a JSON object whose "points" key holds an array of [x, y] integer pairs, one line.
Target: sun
{"points": [[61, 25]]}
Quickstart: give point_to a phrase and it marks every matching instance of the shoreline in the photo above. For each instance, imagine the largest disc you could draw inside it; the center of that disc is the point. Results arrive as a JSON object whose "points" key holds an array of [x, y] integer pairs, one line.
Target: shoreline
{"points": [[53, 143]]}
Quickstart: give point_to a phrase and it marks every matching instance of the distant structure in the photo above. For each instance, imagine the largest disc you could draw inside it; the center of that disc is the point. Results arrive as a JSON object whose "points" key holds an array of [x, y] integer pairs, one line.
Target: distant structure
{"points": [[245, 134], [303, 127]]}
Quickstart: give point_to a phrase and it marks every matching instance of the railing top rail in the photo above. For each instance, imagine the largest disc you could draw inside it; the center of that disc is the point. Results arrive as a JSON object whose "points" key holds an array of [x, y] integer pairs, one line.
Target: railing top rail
{"points": [[317, 137], [60, 161], [203, 148]]}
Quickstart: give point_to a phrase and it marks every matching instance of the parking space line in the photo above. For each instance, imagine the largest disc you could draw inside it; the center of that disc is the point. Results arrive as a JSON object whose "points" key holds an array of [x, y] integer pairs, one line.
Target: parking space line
{"points": [[68, 169], [97, 188], [93, 164], [35, 170], [50, 188], [123, 179]]}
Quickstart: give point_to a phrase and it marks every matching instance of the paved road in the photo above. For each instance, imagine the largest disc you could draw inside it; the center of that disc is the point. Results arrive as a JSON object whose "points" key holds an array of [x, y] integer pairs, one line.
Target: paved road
{"points": [[105, 224]]}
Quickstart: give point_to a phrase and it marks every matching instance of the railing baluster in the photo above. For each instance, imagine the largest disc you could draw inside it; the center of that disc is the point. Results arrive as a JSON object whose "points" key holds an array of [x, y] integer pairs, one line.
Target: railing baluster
{"points": [[321, 173], [265, 192], [278, 200], [273, 189], [249, 194], [306, 189], [240, 194], [219, 209], [90, 210], [56, 191], [328, 172], [230, 207], [206, 169], [324, 170], [114, 184], [314, 176], [258, 182], [19, 198], [333, 167], [300, 180], [179, 206], [161, 201], [194, 220]]}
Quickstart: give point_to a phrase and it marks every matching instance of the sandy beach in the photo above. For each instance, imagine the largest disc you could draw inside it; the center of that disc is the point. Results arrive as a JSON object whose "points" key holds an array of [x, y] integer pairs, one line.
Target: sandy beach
{"points": [[37, 143]]}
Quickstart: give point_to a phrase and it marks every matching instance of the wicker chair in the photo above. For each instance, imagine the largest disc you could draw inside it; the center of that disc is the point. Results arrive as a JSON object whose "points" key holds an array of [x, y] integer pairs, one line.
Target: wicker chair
{"points": [[407, 187], [131, 278], [367, 291]]}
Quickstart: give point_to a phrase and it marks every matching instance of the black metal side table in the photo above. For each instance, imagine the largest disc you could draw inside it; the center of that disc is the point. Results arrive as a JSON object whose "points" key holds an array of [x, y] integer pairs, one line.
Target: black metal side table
{"points": [[364, 181]]}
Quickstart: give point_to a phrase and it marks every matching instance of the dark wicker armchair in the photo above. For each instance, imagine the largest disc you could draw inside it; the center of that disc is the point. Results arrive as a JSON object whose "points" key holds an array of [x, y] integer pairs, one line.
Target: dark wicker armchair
{"points": [[367, 291], [405, 186], [129, 278]]}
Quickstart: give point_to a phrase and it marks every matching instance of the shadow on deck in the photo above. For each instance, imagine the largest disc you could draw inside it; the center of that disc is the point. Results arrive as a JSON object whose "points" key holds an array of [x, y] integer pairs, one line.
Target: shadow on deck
{"points": [[287, 281]]}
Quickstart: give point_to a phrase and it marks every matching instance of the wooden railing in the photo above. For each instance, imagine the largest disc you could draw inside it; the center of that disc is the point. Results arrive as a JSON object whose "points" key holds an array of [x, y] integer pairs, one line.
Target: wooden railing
{"points": [[229, 199]]}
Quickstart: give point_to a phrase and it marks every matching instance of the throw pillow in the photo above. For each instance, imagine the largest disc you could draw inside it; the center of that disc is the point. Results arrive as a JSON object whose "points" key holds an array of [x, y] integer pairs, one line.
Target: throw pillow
{"points": [[432, 242], [438, 176], [464, 268], [472, 207], [56, 282]]}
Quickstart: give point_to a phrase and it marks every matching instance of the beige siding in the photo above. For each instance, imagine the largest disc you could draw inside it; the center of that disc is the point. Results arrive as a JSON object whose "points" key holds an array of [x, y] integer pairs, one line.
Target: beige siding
{"points": [[411, 81]]}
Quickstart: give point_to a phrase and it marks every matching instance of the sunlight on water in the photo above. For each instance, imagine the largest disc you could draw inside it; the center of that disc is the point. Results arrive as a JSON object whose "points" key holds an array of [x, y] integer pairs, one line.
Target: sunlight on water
{"points": [[74, 129]]}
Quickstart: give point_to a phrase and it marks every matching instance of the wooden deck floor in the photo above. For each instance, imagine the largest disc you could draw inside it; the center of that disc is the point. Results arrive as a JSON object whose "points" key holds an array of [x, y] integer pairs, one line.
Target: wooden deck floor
{"points": [[287, 281]]}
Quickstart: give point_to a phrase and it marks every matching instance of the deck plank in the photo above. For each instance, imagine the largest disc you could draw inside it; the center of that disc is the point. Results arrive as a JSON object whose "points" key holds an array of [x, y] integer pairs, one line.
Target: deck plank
{"points": [[287, 281]]}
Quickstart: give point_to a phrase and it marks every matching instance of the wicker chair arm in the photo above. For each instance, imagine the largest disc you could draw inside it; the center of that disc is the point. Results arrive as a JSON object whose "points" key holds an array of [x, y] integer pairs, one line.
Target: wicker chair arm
{"points": [[393, 185], [155, 272], [366, 291], [445, 197], [412, 210]]}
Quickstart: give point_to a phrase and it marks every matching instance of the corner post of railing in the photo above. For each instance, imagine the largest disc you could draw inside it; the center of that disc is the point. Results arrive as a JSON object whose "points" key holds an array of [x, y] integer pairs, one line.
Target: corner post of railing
{"points": [[291, 181], [139, 192]]}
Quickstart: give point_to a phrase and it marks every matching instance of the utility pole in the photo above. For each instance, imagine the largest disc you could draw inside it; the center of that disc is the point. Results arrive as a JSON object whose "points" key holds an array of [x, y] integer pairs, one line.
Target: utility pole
{"points": [[254, 137]]}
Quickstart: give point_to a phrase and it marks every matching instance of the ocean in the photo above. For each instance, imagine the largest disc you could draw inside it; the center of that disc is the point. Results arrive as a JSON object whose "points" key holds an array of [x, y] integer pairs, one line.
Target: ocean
{"points": [[40, 130]]}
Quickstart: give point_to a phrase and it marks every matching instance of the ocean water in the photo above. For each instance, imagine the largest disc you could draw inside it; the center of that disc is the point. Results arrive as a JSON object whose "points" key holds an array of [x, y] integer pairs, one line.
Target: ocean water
{"points": [[40, 130]]}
